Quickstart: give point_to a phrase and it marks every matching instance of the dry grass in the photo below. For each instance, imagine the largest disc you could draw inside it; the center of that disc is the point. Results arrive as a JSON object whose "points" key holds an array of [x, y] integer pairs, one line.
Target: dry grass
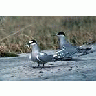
{"points": [[19, 30]]}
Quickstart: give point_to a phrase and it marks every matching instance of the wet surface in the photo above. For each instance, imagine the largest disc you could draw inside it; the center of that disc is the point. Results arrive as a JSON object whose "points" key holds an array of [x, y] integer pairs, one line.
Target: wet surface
{"points": [[23, 69]]}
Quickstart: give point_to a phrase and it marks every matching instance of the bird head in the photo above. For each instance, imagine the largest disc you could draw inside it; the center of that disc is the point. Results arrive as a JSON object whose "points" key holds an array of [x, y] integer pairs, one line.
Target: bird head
{"points": [[60, 34], [31, 42]]}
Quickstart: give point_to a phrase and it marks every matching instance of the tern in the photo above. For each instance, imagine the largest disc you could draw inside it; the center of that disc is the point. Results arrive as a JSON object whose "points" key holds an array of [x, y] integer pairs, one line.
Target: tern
{"points": [[37, 55], [67, 50]]}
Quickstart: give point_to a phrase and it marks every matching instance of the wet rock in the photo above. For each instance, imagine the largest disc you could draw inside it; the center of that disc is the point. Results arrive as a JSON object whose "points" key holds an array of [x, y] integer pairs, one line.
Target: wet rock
{"points": [[41, 72], [84, 75], [70, 69], [58, 69], [39, 76], [51, 64], [76, 66], [46, 78], [79, 70]]}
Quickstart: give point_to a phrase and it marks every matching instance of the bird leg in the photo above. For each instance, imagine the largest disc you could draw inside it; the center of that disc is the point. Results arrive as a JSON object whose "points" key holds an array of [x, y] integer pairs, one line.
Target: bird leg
{"points": [[38, 65], [43, 65]]}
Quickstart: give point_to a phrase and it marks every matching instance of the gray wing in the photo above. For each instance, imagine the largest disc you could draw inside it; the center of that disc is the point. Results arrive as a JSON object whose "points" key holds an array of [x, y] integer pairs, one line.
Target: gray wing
{"points": [[74, 49], [67, 47], [67, 50], [64, 54], [43, 57]]}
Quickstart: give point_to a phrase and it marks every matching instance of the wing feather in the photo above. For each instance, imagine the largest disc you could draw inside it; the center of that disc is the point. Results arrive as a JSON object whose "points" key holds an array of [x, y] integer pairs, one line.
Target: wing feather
{"points": [[43, 57]]}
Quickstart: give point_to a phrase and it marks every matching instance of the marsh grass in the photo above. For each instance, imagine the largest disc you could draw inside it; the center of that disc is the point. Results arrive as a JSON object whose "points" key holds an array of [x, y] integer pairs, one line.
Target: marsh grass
{"points": [[20, 29]]}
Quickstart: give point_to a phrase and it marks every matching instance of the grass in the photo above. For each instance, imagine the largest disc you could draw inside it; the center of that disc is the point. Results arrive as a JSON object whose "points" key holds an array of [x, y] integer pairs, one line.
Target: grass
{"points": [[8, 54], [16, 31]]}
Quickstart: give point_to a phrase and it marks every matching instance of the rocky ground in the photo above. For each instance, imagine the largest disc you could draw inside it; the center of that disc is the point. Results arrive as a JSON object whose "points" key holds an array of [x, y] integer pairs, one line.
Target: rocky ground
{"points": [[23, 69]]}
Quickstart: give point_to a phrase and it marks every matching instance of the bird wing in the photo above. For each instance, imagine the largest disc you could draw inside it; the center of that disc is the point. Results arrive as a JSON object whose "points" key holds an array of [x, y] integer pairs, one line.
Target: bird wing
{"points": [[43, 57], [67, 47], [74, 49]]}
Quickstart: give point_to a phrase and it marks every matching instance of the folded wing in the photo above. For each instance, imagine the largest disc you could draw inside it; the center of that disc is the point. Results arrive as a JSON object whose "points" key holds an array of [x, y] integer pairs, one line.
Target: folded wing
{"points": [[43, 58]]}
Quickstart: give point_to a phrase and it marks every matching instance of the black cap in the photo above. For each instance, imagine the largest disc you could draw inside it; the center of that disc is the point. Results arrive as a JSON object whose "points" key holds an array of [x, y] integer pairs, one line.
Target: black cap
{"points": [[33, 41], [61, 33]]}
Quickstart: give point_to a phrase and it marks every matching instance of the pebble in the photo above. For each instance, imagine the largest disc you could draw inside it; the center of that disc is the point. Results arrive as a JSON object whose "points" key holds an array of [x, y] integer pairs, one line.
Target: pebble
{"points": [[41, 72], [70, 69], [46, 77], [58, 69], [77, 66], [51, 64]]}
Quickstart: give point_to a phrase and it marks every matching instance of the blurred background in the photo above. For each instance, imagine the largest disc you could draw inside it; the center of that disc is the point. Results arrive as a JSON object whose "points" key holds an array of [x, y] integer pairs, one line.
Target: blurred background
{"points": [[16, 31]]}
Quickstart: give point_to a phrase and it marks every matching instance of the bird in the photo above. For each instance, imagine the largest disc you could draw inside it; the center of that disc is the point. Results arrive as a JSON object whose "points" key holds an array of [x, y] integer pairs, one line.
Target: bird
{"points": [[37, 55], [67, 50]]}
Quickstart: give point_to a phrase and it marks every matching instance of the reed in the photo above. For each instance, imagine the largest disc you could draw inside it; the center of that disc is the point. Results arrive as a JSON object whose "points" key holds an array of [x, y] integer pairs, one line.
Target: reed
{"points": [[16, 31]]}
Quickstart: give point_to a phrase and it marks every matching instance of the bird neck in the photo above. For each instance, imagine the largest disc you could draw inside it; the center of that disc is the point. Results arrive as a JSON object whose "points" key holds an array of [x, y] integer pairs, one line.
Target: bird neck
{"points": [[35, 48], [62, 41]]}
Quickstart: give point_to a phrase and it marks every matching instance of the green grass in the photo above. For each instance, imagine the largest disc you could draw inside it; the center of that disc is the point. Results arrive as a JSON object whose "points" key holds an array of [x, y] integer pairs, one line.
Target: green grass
{"points": [[16, 31]]}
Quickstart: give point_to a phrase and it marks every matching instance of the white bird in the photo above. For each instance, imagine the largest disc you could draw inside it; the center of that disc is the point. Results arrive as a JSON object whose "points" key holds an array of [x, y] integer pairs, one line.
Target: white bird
{"points": [[37, 55]]}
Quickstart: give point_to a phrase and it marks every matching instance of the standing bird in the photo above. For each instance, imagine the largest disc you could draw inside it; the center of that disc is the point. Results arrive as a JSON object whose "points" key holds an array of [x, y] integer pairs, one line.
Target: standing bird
{"points": [[37, 55]]}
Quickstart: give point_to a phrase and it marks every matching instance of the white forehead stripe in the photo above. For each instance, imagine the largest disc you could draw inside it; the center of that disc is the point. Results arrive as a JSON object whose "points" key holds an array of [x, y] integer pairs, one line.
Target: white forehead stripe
{"points": [[30, 41]]}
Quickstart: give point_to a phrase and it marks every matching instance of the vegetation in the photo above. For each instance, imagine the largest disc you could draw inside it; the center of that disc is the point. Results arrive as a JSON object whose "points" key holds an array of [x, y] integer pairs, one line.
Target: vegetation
{"points": [[7, 54], [16, 31]]}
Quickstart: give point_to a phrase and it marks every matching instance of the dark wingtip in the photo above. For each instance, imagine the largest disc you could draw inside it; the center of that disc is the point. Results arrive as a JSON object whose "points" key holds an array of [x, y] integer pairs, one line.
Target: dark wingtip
{"points": [[61, 33]]}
